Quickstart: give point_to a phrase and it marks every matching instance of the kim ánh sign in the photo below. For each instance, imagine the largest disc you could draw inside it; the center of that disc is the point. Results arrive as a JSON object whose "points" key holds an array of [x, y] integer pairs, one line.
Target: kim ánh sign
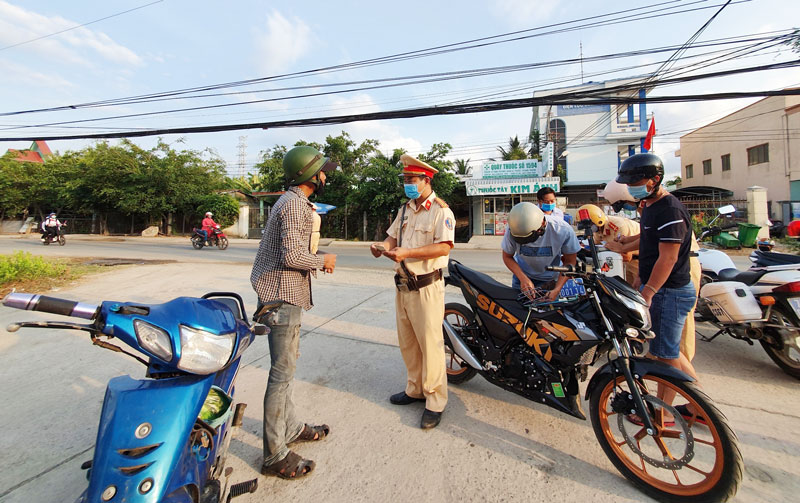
{"points": [[523, 186], [525, 168]]}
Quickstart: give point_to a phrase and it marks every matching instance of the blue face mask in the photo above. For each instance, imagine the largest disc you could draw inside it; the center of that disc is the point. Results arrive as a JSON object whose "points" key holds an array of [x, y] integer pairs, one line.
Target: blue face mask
{"points": [[639, 192], [412, 191], [548, 207], [629, 206]]}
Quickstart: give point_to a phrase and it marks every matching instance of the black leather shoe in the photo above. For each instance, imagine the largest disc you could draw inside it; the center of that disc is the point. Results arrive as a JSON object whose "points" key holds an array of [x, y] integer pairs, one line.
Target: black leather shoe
{"points": [[403, 399], [430, 419]]}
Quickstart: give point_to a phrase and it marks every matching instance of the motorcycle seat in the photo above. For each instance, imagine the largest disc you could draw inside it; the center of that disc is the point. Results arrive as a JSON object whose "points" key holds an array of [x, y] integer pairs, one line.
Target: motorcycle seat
{"points": [[486, 284], [747, 277], [775, 258]]}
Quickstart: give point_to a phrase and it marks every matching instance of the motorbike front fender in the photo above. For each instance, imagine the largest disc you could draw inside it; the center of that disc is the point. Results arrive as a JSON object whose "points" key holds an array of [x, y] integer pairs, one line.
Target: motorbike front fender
{"points": [[125, 457], [639, 367]]}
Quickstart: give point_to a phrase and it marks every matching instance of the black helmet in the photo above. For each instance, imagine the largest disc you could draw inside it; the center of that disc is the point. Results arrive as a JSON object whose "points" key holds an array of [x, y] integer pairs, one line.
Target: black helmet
{"points": [[639, 167]]}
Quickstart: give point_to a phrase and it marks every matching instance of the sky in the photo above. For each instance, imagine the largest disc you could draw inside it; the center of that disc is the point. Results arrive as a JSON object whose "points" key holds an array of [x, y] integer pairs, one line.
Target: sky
{"points": [[166, 45]]}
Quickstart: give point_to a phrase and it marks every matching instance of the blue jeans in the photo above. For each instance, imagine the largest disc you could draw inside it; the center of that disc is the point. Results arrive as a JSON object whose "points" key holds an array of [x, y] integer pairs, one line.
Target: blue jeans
{"points": [[281, 425], [668, 311]]}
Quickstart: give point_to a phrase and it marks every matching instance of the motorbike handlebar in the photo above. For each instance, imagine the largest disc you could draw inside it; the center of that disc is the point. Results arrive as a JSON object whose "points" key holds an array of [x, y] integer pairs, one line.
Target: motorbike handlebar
{"points": [[559, 268], [64, 307]]}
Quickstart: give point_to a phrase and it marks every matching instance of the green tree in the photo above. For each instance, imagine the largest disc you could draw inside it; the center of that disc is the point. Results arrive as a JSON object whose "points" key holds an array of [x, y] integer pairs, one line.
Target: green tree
{"points": [[462, 167], [270, 169], [224, 207], [514, 151], [534, 143]]}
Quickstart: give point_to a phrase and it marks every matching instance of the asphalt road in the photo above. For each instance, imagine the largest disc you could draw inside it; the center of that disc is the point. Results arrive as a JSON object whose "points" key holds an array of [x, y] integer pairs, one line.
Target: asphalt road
{"points": [[491, 446], [240, 251]]}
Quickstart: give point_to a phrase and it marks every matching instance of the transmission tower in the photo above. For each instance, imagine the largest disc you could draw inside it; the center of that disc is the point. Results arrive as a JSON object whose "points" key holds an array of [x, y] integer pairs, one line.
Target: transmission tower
{"points": [[242, 156]]}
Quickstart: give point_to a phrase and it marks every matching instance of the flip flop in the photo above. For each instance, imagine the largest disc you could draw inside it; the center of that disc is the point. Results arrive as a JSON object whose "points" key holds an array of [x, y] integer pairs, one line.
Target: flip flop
{"points": [[293, 466], [313, 433]]}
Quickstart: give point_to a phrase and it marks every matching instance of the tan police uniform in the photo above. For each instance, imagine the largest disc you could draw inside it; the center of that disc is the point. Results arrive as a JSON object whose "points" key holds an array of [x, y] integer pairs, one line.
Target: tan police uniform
{"points": [[688, 335], [621, 226], [420, 311], [316, 223]]}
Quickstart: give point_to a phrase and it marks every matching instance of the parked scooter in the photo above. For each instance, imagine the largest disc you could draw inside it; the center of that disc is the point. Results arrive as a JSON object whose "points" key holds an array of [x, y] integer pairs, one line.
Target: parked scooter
{"points": [[163, 438], [760, 304]]}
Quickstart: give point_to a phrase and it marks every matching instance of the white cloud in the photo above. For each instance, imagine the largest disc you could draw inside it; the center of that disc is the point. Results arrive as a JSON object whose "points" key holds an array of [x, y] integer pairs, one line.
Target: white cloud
{"points": [[23, 75], [19, 25], [523, 12], [283, 43], [387, 134]]}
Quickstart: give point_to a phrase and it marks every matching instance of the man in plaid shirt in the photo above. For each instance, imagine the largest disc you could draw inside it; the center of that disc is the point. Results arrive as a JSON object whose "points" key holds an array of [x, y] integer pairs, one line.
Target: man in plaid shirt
{"points": [[281, 276]]}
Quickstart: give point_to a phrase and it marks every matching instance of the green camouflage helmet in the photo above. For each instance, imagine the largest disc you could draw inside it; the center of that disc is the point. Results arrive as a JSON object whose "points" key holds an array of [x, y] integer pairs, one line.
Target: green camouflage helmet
{"points": [[301, 164]]}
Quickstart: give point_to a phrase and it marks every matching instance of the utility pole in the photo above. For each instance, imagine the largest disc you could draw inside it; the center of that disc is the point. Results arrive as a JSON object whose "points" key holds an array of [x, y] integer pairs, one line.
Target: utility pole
{"points": [[242, 156]]}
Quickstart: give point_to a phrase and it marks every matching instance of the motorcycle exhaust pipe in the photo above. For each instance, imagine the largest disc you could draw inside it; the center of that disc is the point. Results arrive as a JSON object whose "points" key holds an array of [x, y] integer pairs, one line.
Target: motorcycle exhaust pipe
{"points": [[459, 347]]}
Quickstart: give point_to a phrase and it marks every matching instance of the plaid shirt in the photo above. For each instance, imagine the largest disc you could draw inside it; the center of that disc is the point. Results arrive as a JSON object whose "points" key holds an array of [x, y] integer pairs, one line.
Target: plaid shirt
{"points": [[284, 265]]}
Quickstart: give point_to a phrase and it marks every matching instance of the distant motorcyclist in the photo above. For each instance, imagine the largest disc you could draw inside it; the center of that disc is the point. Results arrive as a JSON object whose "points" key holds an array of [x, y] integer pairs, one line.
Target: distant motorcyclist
{"points": [[208, 226], [51, 227]]}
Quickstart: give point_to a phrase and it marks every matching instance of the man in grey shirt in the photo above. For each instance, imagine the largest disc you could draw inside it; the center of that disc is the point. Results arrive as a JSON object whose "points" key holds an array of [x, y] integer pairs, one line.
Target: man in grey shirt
{"points": [[534, 241]]}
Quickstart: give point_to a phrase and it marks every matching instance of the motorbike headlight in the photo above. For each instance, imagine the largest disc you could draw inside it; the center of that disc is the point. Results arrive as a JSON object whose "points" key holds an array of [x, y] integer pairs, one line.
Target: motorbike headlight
{"points": [[204, 352], [153, 339], [640, 309]]}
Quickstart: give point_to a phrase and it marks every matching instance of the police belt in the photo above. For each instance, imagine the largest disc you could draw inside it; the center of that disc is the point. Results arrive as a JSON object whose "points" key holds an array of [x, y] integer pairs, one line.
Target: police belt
{"points": [[411, 283]]}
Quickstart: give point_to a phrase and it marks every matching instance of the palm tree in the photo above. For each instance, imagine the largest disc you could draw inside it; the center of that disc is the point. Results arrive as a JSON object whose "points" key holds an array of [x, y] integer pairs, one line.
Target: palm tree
{"points": [[515, 150], [462, 167]]}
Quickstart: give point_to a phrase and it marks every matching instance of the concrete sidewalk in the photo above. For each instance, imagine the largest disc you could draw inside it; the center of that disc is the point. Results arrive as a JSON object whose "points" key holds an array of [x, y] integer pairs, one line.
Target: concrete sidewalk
{"points": [[491, 446]]}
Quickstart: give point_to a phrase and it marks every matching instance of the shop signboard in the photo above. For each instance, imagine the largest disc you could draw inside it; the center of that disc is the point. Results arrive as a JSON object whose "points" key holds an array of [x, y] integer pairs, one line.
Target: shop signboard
{"points": [[523, 168], [580, 109], [518, 186]]}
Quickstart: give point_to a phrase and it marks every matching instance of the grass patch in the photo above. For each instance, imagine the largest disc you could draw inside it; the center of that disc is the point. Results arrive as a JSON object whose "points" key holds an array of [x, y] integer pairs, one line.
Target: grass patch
{"points": [[26, 272]]}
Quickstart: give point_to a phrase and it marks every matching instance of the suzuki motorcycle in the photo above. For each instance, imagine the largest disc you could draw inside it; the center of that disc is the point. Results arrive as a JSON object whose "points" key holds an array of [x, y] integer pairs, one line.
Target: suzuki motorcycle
{"points": [[163, 438], [216, 238], [761, 304], [541, 350]]}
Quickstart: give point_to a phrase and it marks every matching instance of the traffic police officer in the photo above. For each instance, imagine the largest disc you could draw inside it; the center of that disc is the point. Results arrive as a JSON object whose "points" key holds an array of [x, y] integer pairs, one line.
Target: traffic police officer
{"points": [[419, 242], [610, 229]]}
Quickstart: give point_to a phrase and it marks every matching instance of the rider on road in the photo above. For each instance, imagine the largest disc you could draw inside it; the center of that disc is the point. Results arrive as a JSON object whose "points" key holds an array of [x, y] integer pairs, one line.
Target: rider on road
{"points": [[51, 226], [208, 226]]}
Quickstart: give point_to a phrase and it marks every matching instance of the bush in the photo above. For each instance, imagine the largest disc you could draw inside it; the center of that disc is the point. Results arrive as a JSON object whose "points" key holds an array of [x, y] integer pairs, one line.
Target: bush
{"points": [[24, 266], [224, 207]]}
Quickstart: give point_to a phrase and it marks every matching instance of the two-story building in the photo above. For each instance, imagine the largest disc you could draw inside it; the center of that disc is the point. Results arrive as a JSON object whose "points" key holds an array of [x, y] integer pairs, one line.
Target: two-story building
{"points": [[758, 145], [590, 140]]}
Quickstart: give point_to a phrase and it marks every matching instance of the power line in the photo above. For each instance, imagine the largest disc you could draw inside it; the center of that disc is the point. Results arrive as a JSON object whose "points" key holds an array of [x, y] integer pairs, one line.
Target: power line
{"points": [[79, 26], [423, 78], [565, 98], [448, 48]]}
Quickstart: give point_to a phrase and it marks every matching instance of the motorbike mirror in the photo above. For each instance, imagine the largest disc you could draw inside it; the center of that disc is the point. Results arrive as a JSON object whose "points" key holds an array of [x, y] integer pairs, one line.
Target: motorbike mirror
{"points": [[259, 329], [727, 210]]}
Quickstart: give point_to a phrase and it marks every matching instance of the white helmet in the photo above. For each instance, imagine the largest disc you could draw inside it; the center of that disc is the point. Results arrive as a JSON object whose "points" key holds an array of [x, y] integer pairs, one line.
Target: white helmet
{"points": [[616, 191], [618, 196], [209, 214], [526, 222]]}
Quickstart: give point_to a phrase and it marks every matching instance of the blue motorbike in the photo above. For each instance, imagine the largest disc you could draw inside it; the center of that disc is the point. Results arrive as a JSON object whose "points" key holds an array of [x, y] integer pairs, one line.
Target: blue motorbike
{"points": [[163, 438]]}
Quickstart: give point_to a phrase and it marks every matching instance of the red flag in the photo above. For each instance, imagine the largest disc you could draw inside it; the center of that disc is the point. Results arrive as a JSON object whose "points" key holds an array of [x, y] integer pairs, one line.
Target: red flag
{"points": [[648, 140]]}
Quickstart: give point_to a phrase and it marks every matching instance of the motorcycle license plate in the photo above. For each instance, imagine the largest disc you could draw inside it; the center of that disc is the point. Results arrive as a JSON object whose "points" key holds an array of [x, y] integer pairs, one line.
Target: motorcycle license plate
{"points": [[795, 303]]}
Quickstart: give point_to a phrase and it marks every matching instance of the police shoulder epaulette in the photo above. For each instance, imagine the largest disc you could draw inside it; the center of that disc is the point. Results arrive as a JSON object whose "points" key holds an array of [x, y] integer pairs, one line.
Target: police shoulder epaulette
{"points": [[441, 202]]}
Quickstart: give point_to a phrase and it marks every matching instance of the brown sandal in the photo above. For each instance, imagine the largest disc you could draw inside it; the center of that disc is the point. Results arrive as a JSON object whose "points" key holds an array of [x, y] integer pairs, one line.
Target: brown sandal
{"points": [[313, 433], [293, 466]]}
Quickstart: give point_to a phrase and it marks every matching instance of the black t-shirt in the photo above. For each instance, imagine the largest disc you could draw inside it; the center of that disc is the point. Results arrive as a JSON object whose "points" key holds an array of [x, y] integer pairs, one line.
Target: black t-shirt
{"points": [[666, 221]]}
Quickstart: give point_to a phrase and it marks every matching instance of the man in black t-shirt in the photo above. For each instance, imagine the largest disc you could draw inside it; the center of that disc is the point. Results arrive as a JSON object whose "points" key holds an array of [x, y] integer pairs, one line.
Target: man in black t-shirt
{"points": [[664, 245]]}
